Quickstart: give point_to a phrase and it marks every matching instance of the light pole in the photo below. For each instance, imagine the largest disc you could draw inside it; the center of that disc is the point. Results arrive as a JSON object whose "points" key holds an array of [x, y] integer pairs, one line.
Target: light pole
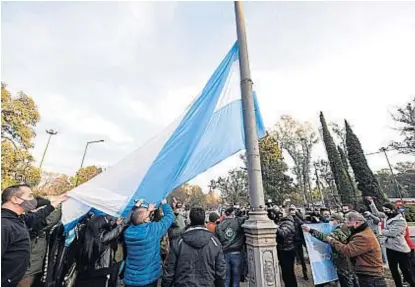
{"points": [[384, 150], [50, 133], [83, 158], [260, 231]]}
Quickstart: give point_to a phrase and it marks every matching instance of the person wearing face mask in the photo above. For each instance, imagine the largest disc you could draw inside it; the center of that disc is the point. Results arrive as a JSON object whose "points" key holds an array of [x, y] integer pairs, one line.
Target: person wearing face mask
{"points": [[346, 208], [16, 224], [397, 249], [142, 238], [340, 232], [396, 246], [382, 218], [324, 215], [363, 249]]}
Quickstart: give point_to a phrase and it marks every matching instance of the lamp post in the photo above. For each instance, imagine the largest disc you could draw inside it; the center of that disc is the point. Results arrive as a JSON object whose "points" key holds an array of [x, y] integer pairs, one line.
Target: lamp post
{"points": [[83, 158], [384, 150], [50, 133], [259, 230]]}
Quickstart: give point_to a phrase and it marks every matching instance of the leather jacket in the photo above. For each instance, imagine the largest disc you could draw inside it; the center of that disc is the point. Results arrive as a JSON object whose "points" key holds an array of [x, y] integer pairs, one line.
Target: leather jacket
{"points": [[107, 255]]}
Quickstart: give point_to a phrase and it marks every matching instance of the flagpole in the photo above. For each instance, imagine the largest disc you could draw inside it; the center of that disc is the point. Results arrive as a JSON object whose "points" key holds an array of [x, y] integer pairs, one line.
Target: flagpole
{"points": [[256, 193], [259, 230]]}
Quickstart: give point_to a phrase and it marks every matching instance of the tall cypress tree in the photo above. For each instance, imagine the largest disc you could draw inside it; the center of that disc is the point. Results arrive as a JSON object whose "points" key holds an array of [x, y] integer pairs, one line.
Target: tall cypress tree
{"points": [[339, 173], [357, 196], [366, 181]]}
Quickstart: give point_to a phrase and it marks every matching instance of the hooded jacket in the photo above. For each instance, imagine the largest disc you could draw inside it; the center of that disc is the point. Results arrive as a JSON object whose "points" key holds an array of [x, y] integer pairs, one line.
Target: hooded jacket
{"points": [[196, 260], [286, 234], [15, 242], [143, 263], [394, 232], [231, 234]]}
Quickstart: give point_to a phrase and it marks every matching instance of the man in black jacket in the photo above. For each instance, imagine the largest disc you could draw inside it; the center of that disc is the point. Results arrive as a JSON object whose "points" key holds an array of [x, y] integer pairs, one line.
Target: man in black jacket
{"points": [[16, 223], [232, 237], [286, 250], [299, 240], [196, 258]]}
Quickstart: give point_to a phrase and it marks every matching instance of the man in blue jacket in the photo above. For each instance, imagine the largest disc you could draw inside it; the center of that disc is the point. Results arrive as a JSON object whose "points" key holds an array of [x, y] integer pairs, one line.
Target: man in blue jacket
{"points": [[142, 238]]}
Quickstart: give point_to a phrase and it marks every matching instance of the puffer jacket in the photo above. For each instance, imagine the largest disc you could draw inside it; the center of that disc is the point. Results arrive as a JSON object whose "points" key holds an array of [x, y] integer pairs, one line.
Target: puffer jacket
{"points": [[143, 263], [231, 234], [394, 232], [299, 235], [196, 259], [286, 234]]}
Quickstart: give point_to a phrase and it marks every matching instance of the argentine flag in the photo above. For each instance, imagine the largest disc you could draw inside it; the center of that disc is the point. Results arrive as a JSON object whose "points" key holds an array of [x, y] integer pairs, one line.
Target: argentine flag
{"points": [[208, 131]]}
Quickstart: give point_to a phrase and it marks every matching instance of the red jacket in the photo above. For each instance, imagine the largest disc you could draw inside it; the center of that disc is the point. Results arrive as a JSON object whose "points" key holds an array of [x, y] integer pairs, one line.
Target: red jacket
{"points": [[408, 239]]}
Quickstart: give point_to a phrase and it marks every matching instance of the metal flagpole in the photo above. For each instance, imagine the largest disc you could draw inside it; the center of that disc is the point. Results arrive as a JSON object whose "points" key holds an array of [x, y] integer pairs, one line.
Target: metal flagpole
{"points": [[259, 230]]}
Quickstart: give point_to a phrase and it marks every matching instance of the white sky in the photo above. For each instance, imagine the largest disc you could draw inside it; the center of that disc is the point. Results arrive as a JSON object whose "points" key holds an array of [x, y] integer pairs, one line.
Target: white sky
{"points": [[121, 71]]}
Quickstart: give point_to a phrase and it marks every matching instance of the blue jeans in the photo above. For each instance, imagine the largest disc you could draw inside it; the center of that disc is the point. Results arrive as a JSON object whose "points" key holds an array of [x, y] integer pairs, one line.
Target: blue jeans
{"points": [[233, 269]]}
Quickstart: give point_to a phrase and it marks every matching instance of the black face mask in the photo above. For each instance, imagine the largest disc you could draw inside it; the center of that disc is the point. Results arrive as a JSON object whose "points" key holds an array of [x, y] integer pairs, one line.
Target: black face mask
{"points": [[391, 213], [28, 204]]}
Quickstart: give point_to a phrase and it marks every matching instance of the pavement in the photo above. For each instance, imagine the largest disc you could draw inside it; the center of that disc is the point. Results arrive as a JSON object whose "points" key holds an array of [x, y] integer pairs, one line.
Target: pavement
{"points": [[303, 283]]}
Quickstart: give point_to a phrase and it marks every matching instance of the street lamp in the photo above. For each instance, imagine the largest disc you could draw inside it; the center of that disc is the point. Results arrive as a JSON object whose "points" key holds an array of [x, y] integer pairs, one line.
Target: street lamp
{"points": [[83, 158], [50, 133]]}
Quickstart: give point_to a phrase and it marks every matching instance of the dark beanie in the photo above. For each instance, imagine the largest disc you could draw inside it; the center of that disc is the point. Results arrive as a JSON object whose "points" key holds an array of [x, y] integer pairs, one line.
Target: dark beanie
{"points": [[390, 205]]}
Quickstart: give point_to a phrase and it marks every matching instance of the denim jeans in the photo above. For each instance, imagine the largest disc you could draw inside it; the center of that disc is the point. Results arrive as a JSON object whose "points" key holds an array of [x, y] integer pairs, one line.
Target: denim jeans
{"points": [[233, 269]]}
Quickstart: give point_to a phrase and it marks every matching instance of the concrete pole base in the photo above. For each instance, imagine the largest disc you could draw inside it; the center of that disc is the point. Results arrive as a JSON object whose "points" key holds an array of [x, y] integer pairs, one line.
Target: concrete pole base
{"points": [[261, 245]]}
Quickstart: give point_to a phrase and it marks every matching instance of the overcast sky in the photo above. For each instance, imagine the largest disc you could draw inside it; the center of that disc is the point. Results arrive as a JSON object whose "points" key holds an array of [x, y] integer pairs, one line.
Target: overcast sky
{"points": [[121, 71]]}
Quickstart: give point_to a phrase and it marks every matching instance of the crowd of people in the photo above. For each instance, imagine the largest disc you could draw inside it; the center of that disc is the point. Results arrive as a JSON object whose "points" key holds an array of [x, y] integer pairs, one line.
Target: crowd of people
{"points": [[170, 246]]}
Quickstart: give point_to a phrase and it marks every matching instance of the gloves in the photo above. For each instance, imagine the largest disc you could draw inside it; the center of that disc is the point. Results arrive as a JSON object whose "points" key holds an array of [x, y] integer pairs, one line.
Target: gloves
{"points": [[42, 201]]}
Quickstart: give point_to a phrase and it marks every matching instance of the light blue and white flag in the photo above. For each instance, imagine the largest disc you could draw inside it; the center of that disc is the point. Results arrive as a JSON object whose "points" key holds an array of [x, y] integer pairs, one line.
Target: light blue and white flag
{"points": [[208, 131], [319, 253]]}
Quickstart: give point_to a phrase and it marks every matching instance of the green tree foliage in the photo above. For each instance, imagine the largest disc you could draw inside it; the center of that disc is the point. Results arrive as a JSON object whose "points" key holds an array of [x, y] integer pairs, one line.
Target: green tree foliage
{"points": [[274, 180], [357, 196], [85, 174], [405, 177], [327, 183], [189, 195], [405, 118], [273, 168], [339, 133], [298, 139], [19, 116], [366, 181], [234, 186], [344, 187]]}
